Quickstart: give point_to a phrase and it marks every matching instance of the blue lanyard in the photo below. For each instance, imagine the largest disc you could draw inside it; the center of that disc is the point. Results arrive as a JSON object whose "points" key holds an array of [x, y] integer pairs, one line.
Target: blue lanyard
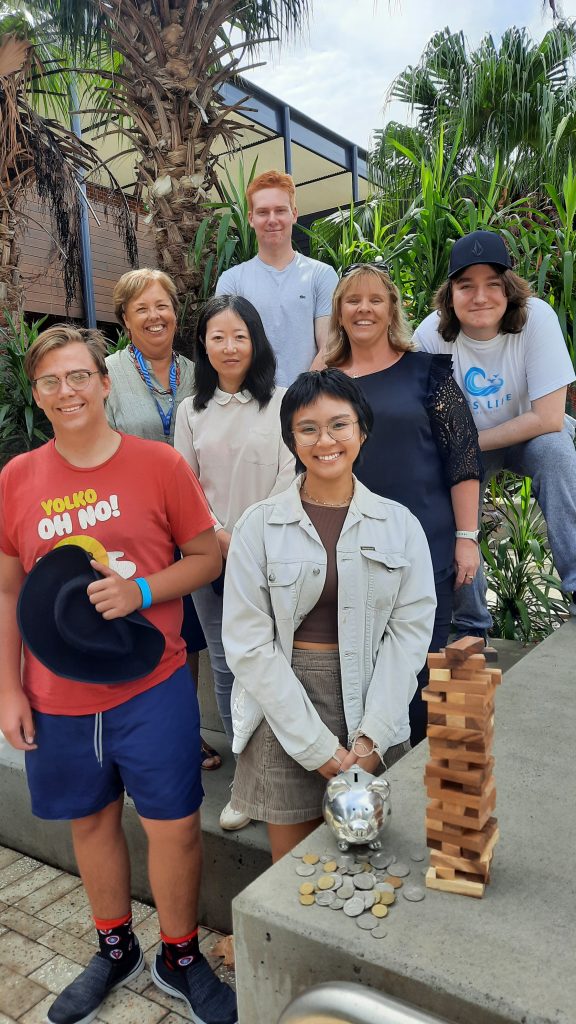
{"points": [[166, 417]]}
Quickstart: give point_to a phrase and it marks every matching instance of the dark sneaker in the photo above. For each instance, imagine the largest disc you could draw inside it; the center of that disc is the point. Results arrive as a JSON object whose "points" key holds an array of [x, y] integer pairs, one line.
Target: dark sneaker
{"points": [[210, 1000], [572, 608], [80, 1001]]}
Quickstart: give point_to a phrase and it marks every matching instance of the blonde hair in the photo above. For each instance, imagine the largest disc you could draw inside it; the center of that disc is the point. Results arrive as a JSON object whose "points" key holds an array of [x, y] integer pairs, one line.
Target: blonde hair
{"points": [[66, 334], [338, 349], [134, 282], [272, 179]]}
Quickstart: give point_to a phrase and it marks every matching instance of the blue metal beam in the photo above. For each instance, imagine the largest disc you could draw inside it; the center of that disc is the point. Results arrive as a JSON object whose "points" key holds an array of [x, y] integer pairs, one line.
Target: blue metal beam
{"points": [[269, 112]]}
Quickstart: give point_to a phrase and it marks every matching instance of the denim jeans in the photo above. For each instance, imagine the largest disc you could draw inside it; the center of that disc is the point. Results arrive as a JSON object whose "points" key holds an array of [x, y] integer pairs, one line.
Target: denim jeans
{"points": [[550, 460], [209, 610]]}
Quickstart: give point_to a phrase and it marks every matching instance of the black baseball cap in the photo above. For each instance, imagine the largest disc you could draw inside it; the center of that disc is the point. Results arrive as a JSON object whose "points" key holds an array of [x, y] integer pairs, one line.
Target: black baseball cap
{"points": [[478, 247]]}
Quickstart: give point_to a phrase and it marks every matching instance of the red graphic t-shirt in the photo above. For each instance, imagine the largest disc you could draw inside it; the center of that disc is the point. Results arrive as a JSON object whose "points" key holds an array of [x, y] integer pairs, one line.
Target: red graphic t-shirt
{"points": [[129, 513]]}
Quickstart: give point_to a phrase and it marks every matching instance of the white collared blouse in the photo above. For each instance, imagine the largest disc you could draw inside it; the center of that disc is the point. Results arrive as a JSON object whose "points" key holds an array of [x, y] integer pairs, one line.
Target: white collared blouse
{"points": [[236, 450]]}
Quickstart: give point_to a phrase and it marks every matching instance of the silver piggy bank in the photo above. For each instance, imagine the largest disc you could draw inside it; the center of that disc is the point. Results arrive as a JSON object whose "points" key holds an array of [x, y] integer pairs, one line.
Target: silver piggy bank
{"points": [[357, 808]]}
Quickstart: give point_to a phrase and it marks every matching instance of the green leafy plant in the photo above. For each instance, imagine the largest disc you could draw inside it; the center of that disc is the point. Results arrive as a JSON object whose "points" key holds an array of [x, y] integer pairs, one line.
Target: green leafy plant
{"points": [[524, 595], [22, 424], [225, 237]]}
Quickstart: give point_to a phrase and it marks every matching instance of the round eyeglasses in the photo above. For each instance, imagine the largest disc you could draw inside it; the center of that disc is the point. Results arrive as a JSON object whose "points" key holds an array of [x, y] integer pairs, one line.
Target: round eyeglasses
{"points": [[310, 433], [77, 380]]}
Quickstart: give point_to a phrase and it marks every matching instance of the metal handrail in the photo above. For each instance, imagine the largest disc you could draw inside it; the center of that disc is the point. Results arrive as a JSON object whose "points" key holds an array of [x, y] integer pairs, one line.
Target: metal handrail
{"points": [[342, 1002]]}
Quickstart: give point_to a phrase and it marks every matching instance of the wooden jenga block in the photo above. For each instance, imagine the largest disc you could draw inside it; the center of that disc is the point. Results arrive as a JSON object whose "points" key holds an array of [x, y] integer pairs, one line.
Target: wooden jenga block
{"points": [[461, 650], [463, 886], [436, 660], [458, 684], [476, 867], [470, 775], [465, 842], [450, 793], [469, 817]]}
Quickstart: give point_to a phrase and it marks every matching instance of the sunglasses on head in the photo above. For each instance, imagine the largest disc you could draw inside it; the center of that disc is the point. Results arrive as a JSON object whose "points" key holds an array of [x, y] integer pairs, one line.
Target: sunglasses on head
{"points": [[375, 265]]}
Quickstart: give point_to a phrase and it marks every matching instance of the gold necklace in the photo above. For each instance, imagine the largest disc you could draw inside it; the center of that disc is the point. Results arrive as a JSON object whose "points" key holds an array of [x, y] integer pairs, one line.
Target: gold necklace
{"points": [[328, 504]]}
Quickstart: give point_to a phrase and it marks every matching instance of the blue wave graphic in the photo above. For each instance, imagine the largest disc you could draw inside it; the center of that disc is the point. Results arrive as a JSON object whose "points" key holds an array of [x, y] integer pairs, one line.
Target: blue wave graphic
{"points": [[473, 385]]}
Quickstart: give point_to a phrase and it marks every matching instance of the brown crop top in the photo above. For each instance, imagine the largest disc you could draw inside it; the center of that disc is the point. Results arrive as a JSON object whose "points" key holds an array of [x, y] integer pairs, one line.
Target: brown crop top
{"points": [[321, 624]]}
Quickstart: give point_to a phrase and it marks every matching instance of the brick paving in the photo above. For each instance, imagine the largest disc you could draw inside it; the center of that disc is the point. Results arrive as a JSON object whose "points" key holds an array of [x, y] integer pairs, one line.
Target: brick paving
{"points": [[47, 936]]}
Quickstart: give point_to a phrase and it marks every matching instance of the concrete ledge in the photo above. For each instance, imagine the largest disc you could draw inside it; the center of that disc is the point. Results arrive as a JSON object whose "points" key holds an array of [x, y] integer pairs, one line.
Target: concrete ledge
{"points": [[506, 959]]}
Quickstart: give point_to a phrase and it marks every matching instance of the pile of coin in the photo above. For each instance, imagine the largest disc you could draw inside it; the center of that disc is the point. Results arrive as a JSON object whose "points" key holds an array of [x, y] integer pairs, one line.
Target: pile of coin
{"points": [[363, 884]]}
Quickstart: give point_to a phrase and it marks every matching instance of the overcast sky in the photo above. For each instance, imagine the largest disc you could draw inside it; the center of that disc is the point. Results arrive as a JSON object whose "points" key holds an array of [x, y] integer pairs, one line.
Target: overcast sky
{"points": [[340, 69]]}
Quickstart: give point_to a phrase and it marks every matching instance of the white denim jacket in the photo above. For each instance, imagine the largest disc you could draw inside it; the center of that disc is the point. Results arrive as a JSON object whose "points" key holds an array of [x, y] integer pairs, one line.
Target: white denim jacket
{"points": [[275, 574]]}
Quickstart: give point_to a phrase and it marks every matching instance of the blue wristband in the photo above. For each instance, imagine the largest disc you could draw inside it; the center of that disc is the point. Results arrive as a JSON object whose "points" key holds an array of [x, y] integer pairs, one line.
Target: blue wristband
{"points": [[144, 589]]}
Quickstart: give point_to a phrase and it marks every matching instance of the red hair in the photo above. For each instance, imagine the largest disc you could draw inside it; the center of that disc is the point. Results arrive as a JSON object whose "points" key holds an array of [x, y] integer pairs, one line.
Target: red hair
{"points": [[272, 179]]}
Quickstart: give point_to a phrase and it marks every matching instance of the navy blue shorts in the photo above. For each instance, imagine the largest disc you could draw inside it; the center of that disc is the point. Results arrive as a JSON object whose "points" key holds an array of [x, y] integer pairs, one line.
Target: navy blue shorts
{"points": [[149, 747]]}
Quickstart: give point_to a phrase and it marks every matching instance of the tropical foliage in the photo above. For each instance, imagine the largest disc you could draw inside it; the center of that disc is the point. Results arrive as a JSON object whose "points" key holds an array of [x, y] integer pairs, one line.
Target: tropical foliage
{"points": [[516, 100], [37, 150], [172, 58], [22, 424]]}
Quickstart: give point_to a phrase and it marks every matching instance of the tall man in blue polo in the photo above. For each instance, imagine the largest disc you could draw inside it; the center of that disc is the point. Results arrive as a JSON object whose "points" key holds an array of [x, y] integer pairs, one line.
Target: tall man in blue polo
{"points": [[292, 292], [89, 734], [511, 362]]}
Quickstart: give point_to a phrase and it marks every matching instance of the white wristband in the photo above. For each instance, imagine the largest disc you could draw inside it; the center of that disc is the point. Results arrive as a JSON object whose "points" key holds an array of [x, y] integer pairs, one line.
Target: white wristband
{"points": [[468, 535]]}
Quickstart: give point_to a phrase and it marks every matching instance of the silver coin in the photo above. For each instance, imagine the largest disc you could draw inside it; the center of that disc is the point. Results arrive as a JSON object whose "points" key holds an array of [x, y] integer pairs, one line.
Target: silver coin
{"points": [[325, 898], [363, 856], [354, 907], [380, 932], [364, 881], [384, 887], [367, 922], [337, 903], [345, 861], [418, 853], [369, 899], [298, 856], [413, 893], [305, 870], [400, 869], [325, 858], [355, 869], [380, 859], [347, 889], [338, 882]]}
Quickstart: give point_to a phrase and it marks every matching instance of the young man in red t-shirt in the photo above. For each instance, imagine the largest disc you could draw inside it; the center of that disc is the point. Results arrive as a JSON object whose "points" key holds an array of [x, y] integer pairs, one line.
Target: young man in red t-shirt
{"points": [[127, 502]]}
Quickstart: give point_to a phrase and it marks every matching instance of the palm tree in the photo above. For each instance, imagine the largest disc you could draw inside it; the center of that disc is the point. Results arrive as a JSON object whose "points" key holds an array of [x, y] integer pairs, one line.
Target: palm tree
{"points": [[517, 99], [175, 56], [39, 151]]}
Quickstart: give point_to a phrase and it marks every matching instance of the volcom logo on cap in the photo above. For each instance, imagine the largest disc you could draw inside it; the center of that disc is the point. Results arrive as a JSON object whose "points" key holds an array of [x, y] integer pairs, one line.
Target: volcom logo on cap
{"points": [[477, 249]]}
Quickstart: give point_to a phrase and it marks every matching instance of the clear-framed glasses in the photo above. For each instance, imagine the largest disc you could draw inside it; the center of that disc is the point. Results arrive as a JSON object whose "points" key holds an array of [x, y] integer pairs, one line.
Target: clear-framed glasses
{"points": [[78, 380], [308, 434], [374, 264]]}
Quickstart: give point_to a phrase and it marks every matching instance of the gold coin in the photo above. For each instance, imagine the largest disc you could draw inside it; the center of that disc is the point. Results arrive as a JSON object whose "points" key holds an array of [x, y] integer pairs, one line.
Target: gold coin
{"points": [[394, 881], [307, 901], [310, 858], [387, 899], [330, 866], [376, 896], [306, 889], [325, 882], [367, 866], [379, 911]]}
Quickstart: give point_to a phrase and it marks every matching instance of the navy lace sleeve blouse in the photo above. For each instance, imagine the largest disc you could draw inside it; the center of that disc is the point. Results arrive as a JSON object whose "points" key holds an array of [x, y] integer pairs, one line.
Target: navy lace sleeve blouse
{"points": [[423, 443]]}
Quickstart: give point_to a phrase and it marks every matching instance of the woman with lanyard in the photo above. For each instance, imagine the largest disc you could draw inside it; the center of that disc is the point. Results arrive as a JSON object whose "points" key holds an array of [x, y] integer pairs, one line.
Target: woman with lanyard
{"points": [[149, 380]]}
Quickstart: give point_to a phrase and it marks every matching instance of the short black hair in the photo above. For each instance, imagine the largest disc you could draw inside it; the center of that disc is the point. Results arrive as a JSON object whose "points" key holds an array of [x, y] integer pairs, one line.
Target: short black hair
{"points": [[259, 380], [308, 388]]}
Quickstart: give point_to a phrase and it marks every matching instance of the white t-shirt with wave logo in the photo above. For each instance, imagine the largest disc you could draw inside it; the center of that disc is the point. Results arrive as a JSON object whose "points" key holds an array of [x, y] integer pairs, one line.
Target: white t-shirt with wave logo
{"points": [[501, 377]]}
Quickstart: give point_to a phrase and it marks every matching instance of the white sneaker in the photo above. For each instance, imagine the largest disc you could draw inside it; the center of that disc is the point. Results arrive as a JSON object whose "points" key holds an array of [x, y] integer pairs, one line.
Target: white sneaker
{"points": [[232, 820]]}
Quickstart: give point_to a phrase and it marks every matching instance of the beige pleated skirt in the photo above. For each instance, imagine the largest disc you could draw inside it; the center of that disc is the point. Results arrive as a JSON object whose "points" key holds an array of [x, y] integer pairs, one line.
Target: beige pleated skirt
{"points": [[269, 785]]}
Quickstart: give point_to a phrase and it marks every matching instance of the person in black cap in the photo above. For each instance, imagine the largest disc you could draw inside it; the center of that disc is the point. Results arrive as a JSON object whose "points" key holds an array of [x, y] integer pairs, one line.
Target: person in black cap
{"points": [[512, 363], [104, 701]]}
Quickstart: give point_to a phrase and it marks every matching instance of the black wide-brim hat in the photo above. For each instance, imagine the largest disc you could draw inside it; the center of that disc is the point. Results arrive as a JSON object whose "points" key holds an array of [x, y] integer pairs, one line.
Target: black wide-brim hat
{"points": [[65, 633]]}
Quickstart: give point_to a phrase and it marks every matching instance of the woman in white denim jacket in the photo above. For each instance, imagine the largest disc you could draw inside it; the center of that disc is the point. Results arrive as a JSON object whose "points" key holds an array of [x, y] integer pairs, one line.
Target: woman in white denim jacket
{"points": [[328, 612]]}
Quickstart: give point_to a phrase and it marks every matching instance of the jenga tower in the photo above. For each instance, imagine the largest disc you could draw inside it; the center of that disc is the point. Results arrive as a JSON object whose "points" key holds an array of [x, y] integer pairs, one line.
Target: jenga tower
{"points": [[461, 832]]}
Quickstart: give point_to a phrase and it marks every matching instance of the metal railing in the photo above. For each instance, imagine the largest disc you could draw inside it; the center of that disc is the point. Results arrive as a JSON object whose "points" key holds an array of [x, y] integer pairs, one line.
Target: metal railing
{"points": [[342, 1002]]}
